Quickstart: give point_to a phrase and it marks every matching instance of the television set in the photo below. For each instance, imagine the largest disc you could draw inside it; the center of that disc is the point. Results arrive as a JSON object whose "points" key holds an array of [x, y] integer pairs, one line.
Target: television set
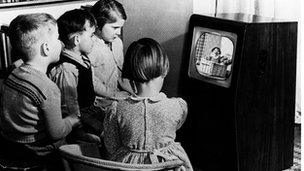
{"points": [[239, 79], [212, 54]]}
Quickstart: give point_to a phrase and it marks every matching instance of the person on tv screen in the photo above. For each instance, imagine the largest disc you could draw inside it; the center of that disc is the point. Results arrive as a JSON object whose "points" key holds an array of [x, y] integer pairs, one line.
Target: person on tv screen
{"points": [[214, 55]]}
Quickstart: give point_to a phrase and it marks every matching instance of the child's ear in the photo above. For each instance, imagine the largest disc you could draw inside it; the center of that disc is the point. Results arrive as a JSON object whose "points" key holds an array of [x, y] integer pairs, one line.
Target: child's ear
{"points": [[76, 39], [45, 49]]}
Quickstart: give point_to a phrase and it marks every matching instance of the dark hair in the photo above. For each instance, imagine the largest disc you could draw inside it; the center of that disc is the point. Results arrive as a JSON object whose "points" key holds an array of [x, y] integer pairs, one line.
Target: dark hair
{"points": [[145, 60], [102, 12], [72, 22], [219, 50], [25, 30]]}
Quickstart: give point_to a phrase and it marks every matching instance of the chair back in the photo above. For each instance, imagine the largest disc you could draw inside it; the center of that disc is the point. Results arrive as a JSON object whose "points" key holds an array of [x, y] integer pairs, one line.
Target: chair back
{"points": [[86, 157]]}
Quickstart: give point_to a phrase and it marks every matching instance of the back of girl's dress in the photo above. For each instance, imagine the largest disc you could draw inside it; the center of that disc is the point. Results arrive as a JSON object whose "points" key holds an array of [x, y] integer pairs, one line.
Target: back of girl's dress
{"points": [[142, 130]]}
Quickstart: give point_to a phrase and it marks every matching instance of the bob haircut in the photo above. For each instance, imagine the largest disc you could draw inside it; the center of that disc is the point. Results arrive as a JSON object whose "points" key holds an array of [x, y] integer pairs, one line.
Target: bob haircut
{"points": [[102, 11], [73, 22], [26, 30], [145, 60]]}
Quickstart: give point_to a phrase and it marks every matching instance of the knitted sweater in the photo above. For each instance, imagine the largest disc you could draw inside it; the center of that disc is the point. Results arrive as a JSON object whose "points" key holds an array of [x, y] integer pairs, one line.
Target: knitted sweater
{"points": [[30, 108]]}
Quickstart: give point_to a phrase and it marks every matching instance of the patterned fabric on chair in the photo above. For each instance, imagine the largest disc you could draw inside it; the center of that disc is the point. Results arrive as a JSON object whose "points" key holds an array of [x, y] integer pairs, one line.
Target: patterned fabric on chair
{"points": [[86, 157]]}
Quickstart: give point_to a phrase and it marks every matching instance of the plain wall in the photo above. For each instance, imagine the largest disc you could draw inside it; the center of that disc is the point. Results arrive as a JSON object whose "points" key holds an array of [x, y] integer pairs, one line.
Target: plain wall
{"points": [[165, 21]]}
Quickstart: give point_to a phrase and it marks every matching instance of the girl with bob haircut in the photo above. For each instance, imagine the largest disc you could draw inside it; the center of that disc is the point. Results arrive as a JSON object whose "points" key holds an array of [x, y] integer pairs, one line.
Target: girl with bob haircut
{"points": [[145, 60], [141, 129]]}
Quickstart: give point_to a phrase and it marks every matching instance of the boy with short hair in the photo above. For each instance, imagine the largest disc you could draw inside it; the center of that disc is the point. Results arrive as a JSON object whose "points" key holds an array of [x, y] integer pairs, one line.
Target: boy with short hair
{"points": [[30, 109], [73, 73]]}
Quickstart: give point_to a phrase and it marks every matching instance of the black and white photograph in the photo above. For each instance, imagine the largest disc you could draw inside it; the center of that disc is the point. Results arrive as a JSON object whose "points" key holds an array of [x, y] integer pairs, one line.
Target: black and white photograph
{"points": [[146, 85]]}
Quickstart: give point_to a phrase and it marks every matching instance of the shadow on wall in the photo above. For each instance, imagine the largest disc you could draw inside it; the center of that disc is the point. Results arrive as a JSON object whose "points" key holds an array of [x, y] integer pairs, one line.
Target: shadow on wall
{"points": [[176, 51]]}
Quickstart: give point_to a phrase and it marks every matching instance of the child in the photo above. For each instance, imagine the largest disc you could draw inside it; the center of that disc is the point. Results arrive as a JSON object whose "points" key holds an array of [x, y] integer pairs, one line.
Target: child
{"points": [[73, 73], [215, 55], [107, 54], [142, 128], [31, 119]]}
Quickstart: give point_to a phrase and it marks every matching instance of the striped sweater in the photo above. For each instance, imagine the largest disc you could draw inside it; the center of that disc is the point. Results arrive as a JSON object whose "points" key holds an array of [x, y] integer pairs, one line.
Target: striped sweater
{"points": [[30, 108]]}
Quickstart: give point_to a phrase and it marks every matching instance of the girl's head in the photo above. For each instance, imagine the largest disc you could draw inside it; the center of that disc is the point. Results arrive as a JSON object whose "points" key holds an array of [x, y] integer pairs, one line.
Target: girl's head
{"points": [[216, 51], [110, 16], [145, 60]]}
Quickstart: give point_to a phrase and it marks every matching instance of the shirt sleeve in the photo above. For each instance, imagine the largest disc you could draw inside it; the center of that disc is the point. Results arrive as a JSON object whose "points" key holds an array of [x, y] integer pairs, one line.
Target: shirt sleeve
{"points": [[183, 104], [67, 81], [111, 131], [56, 126], [124, 83], [104, 91], [100, 88]]}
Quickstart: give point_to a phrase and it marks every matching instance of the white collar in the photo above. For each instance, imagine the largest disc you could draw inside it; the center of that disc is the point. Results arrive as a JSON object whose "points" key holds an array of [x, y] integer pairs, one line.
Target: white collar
{"points": [[156, 98]]}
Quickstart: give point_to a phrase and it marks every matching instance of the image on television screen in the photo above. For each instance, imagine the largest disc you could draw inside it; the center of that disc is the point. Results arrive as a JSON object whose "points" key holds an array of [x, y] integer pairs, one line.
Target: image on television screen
{"points": [[212, 53]]}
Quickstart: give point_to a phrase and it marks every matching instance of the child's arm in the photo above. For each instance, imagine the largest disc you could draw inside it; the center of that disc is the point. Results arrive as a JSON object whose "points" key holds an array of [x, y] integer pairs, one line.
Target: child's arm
{"points": [[67, 81], [56, 126], [184, 107], [104, 91]]}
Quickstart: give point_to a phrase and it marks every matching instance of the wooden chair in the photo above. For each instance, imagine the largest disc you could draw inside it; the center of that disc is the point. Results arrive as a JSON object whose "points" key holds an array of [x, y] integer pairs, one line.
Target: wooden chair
{"points": [[86, 157]]}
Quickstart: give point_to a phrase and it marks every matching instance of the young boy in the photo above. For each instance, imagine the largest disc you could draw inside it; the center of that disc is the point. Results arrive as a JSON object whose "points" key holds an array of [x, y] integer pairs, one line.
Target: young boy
{"points": [[73, 73], [30, 114]]}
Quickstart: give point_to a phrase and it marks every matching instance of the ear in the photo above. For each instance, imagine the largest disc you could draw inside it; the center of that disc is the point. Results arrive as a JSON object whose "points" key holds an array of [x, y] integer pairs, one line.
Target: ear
{"points": [[45, 49], [76, 39]]}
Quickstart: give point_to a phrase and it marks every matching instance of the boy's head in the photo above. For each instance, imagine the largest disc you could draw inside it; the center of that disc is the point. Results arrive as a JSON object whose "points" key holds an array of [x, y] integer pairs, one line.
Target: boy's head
{"points": [[35, 35], [76, 30], [145, 60], [110, 16]]}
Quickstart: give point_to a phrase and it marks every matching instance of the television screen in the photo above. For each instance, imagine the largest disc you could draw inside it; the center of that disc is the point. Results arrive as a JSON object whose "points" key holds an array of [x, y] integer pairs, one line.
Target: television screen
{"points": [[211, 56]]}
